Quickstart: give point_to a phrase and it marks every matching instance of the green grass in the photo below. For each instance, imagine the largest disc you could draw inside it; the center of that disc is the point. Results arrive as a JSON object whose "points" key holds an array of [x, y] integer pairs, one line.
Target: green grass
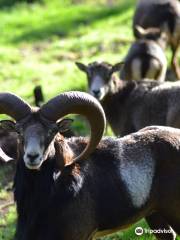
{"points": [[39, 44]]}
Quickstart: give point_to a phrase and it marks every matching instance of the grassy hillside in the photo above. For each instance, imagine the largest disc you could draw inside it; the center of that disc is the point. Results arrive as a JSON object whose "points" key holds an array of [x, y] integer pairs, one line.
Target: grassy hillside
{"points": [[39, 44]]}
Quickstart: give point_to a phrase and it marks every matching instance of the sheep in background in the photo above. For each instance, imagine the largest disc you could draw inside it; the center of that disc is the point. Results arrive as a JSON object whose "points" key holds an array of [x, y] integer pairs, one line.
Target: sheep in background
{"points": [[145, 59], [132, 105], [65, 194], [163, 16]]}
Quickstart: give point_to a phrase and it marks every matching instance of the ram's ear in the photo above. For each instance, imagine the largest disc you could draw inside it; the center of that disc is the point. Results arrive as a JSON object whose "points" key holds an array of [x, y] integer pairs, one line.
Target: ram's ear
{"points": [[64, 125], [82, 66], [8, 125], [117, 67]]}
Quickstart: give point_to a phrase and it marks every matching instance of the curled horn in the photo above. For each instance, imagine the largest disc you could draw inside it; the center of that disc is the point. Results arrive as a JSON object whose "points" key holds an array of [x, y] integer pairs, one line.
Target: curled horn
{"points": [[78, 103], [13, 106]]}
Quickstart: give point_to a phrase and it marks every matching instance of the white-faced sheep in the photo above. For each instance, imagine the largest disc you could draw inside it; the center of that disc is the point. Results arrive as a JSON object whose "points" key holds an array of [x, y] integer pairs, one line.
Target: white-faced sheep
{"points": [[132, 105]]}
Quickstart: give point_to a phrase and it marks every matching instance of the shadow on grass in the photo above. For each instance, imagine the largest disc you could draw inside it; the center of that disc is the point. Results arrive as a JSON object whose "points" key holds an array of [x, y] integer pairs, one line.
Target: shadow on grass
{"points": [[4, 4], [69, 22]]}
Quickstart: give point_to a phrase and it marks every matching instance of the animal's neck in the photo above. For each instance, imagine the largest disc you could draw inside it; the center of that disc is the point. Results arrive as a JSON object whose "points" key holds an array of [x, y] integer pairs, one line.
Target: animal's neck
{"points": [[114, 103], [118, 90], [115, 85], [33, 191], [30, 187]]}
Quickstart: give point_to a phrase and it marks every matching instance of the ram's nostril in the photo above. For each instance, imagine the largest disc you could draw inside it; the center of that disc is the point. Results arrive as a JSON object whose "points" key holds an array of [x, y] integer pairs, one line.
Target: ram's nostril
{"points": [[96, 92], [32, 157]]}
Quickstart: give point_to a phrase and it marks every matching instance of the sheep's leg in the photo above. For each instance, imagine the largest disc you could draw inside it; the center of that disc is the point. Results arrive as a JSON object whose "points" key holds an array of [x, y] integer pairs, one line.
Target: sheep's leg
{"points": [[174, 61], [155, 222]]}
